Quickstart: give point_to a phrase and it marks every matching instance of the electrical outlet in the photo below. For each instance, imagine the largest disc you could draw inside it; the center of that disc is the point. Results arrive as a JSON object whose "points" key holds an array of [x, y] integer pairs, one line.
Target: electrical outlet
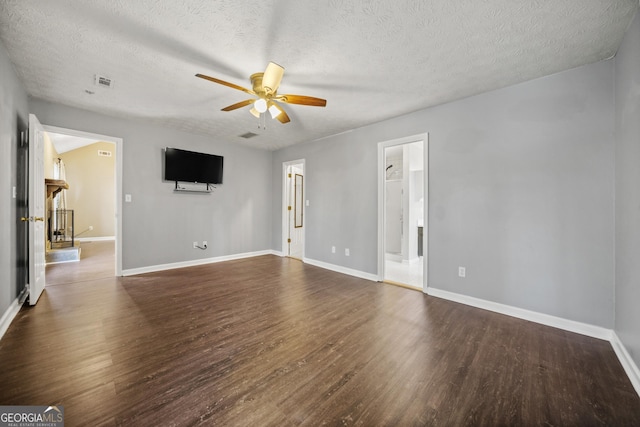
{"points": [[462, 272], [333, 249], [346, 252], [195, 245]]}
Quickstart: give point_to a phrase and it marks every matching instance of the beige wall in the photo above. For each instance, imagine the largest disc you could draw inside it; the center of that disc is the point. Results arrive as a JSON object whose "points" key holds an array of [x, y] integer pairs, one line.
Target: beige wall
{"points": [[91, 191]]}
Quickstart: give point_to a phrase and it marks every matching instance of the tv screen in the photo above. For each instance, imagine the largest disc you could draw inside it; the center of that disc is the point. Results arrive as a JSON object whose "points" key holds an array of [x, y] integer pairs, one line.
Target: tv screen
{"points": [[189, 166]]}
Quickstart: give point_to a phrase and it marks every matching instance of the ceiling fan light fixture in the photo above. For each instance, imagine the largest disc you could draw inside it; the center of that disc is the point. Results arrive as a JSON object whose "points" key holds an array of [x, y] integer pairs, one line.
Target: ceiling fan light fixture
{"points": [[274, 111], [272, 77], [265, 94], [260, 105]]}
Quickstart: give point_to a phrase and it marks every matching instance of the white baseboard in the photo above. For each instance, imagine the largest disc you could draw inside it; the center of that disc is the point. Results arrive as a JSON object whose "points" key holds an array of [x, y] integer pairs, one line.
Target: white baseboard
{"points": [[627, 362], [95, 239], [520, 313], [393, 257], [171, 266], [9, 315], [343, 270]]}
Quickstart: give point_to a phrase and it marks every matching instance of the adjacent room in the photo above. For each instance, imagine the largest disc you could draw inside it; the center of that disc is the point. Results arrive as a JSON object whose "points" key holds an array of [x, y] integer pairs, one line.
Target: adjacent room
{"points": [[302, 213]]}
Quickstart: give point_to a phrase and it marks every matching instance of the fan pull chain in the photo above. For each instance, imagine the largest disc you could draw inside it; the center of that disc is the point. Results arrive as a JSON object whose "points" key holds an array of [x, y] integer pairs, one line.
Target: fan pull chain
{"points": [[262, 122]]}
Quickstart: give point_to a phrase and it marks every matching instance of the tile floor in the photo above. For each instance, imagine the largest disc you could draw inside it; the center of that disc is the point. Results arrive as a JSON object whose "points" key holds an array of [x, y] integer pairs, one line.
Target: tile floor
{"points": [[407, 274]]}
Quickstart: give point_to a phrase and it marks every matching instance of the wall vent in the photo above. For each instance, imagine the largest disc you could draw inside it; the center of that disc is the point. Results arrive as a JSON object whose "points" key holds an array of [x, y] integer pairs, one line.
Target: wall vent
{"points": [[103, 153], [103, 81], [248, 135]]}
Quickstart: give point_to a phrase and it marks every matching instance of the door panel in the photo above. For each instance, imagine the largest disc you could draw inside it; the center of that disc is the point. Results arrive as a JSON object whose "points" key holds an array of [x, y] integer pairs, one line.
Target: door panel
{"points": [[296, 202], [36, 210], [22, 197]]}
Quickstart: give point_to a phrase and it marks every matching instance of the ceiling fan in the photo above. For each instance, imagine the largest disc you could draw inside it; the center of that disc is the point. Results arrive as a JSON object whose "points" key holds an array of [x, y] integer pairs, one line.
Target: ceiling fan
{"points": [[265, 87]]}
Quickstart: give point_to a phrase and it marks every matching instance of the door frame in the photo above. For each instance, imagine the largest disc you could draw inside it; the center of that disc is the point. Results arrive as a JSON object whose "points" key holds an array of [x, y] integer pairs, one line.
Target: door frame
{"points": [[285, 212], [118, 184], [424, 137]]}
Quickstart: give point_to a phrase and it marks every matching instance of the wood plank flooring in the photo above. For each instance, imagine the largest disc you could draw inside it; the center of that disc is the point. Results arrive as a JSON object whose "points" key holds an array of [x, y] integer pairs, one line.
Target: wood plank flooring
{"points": [[97, 260], [270, 341]]}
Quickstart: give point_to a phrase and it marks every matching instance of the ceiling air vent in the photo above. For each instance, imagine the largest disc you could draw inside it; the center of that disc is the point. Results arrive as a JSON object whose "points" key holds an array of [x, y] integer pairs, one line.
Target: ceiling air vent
{"points": [[103, 81], [248, 135]]}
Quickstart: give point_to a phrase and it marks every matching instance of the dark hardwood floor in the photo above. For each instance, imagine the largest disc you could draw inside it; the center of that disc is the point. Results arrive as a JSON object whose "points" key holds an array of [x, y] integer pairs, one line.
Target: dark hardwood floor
{"points": [[97, 260], [270, 341]]}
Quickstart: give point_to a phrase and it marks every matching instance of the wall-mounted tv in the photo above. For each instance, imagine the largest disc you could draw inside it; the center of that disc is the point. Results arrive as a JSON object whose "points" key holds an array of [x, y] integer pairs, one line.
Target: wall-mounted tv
{"points": [[189, 166]]}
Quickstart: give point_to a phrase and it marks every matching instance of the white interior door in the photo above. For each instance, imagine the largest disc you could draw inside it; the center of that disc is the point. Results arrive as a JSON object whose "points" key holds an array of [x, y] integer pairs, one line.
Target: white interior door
{"points": [[36, 210], [296, 212]]}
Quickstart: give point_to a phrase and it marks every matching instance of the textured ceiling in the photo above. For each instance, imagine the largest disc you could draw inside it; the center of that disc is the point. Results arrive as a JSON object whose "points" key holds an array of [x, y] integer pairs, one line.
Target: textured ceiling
{"points": [[64, 143], [371, 59]]}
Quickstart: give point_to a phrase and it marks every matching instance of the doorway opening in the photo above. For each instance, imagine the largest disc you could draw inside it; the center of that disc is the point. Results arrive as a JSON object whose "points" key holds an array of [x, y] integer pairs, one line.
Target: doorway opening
{"points": [[293, 218], [90, 209], [403, 210]]}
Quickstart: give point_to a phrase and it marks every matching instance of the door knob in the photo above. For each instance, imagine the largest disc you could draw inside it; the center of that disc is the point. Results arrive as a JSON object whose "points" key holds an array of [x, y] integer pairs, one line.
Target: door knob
{"points": [[39, 218], [24, 219]]}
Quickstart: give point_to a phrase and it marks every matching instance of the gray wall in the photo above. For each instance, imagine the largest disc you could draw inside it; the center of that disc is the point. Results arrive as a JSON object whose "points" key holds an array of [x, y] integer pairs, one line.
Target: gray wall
{"points": [[159, 225], [341, 186], [627, 230], [13, 119], [520, 193]]}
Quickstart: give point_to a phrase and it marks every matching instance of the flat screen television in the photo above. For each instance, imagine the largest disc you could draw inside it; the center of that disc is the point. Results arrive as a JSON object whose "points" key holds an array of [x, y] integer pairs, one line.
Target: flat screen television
{"points": [[189, 166]]}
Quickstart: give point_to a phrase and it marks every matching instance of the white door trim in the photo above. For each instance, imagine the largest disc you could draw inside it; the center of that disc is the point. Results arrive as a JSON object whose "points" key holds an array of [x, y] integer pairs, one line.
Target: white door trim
{"points": [[424, 137], [118, 190], [285, 213]]}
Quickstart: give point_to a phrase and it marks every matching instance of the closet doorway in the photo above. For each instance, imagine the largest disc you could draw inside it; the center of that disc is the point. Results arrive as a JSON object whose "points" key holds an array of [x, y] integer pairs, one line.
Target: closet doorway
{"points": [[293, 219]]}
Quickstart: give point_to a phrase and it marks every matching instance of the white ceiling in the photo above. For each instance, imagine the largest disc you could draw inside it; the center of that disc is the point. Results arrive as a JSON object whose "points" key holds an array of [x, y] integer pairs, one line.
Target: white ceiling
{"points": [[63, 143], [371, 59]]}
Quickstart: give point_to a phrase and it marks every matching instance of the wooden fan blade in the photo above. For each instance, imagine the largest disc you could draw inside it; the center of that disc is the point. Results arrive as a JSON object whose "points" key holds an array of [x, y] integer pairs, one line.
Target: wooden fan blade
{"points": [[302, 100], [255, 112], [282, 117], [272, 77], [239, 105], [222, 82]]}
